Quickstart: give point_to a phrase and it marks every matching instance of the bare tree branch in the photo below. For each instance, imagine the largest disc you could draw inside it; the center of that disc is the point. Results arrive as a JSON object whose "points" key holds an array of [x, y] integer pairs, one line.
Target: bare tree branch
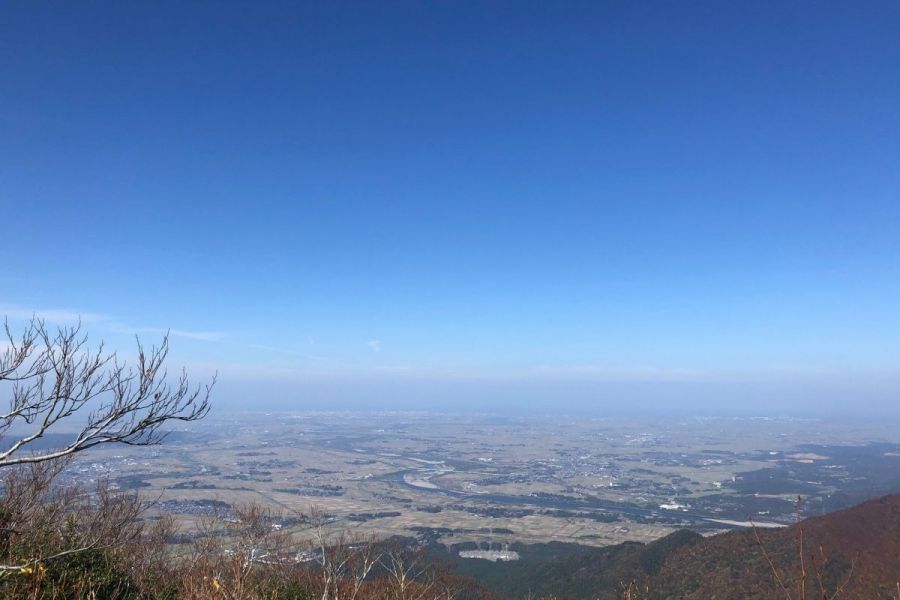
{"points": [[54, 375]]}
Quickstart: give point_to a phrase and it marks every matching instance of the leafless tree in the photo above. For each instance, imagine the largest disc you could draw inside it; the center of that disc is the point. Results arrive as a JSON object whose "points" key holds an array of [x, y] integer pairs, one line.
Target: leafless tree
{"points": [[54, 375], [257, 538], [57, 384], [408, 577], [344, 561], [782, 581], [233, 548], [40, 522]]}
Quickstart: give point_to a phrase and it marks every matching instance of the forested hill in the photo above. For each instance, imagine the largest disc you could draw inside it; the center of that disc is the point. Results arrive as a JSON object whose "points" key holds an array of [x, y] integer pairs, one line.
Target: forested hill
{"points": [[571, 570], [856, 550]]}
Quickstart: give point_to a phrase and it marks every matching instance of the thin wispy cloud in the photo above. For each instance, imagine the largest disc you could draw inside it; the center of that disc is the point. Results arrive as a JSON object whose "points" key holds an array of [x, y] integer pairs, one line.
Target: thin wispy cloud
{"points": [[207, 336], [68, 316], [375, 345], [204, 336], [289, 351], [51, 315], [393, 369]]}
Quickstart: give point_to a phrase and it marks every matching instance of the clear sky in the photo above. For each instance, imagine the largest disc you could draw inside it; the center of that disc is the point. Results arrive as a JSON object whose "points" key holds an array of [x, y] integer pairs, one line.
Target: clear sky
{"points": [[563, 205]]}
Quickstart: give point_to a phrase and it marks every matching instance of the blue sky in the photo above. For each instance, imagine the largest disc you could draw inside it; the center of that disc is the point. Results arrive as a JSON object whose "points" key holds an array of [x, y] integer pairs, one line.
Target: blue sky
{"points": [[564, 205]]}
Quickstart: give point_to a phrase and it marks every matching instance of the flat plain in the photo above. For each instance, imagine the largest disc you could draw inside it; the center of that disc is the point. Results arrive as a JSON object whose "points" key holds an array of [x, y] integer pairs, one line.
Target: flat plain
{"points": [[496, 480]]}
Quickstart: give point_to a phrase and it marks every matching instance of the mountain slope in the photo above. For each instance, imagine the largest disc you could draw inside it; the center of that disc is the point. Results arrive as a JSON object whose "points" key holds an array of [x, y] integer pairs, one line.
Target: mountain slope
{"points": [[574, 571], [858, 548]]}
